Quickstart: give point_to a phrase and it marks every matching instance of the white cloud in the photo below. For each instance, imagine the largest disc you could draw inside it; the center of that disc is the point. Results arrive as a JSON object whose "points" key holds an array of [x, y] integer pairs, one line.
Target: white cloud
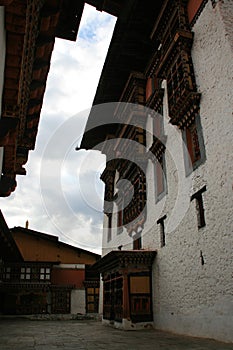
{"points": [[56, 195], [77, 65]]}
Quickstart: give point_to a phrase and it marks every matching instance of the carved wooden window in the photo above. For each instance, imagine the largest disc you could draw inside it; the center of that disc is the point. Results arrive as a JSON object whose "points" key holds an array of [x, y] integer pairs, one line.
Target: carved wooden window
{"points": [[154, 94], [194, 150], [173, 62], [176, 82], [45, 273], [134, 91], [192, 143], [25, 273], [6, 273], [137, 203], [183, 100], [158, 149]]}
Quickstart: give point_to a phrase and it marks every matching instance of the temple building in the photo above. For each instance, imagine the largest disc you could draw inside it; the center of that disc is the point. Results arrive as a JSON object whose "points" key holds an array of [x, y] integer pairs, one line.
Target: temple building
{"points": [[162, 115], [49, 277], [27, 35]]}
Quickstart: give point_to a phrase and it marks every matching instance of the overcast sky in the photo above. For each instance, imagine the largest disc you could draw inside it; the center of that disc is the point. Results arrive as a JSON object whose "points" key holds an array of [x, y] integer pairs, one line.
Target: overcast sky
{"points": [[61, 193]]}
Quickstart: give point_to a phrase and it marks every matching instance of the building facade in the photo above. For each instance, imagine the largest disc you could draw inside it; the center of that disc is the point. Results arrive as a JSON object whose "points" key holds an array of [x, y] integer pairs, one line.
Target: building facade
{"points": [[52, 278], [170, 139], [27, 35]]}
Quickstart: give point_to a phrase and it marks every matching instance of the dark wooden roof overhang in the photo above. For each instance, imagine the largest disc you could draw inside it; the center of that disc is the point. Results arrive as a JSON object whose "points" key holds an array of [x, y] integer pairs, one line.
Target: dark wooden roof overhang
{"points": [[129, 50], [9, 251], [112, 7], [117, 260], [70, 16], [51, 238], [71, 13], [31, 28]]}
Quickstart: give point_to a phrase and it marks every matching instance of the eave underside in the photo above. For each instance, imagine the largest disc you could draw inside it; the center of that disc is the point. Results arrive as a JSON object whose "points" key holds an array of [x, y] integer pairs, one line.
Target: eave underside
{"points": [[118, 259], [31, 28], [129, 50]]}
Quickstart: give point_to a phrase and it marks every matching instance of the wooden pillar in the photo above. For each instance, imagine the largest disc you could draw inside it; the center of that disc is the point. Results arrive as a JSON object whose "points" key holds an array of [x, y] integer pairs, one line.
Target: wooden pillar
{"points": [[126, 306]]}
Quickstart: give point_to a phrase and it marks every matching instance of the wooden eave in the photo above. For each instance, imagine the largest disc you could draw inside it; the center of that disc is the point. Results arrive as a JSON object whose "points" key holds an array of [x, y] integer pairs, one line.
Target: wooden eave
{"points": [[23, 94], [71, 13], [70, 16], [112, 7], [9, 251], [122, 259], [129, 50], [135, 79], [31, 29], [50, 238]]}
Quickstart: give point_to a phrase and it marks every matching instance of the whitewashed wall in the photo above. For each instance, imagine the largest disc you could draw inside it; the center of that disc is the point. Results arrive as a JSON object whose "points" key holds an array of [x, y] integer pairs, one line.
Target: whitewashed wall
{"points": [[78, 303], [191, 298]]}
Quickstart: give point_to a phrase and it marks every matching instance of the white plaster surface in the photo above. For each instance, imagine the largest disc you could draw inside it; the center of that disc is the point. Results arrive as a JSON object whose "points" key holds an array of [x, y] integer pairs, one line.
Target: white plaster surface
{"points": [[191, 298], [78, 305], [188, 297]]}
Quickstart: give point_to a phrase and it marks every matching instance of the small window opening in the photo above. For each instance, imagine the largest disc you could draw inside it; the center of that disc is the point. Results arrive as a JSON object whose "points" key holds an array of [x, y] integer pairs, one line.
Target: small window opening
{"points": [[200, 207], [109, 227], [160, 222]]}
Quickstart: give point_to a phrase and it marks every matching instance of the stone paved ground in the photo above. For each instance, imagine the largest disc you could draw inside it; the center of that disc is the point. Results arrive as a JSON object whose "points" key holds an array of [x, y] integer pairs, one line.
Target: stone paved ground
{"points": [[23, 334]]}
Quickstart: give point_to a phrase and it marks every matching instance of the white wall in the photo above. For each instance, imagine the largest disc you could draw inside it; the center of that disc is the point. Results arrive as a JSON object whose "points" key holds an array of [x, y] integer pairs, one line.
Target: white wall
{"points": [[189, 297], [78, 303], [2, 66]]}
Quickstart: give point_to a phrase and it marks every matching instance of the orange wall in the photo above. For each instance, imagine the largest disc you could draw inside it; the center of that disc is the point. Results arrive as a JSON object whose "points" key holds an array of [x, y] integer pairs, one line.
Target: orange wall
{"points": [[38, 249], [193, 7], [68, 276]]}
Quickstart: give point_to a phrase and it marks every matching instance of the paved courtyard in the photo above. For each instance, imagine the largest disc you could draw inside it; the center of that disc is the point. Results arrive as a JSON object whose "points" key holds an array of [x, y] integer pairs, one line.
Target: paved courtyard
{"points": [[23, 334]]}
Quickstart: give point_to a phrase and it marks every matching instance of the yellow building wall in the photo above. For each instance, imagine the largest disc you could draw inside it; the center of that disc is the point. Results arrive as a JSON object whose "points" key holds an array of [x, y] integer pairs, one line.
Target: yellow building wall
{"points": [[35, 248]]}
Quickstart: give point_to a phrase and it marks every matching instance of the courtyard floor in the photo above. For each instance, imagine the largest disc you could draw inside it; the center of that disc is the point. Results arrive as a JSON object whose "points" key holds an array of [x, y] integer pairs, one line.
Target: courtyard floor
{"points": [[24, 334]]}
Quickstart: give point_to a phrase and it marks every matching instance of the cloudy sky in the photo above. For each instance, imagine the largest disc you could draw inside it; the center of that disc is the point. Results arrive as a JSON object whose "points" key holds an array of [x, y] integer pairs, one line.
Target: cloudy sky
{"points": [[61, 193]]}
